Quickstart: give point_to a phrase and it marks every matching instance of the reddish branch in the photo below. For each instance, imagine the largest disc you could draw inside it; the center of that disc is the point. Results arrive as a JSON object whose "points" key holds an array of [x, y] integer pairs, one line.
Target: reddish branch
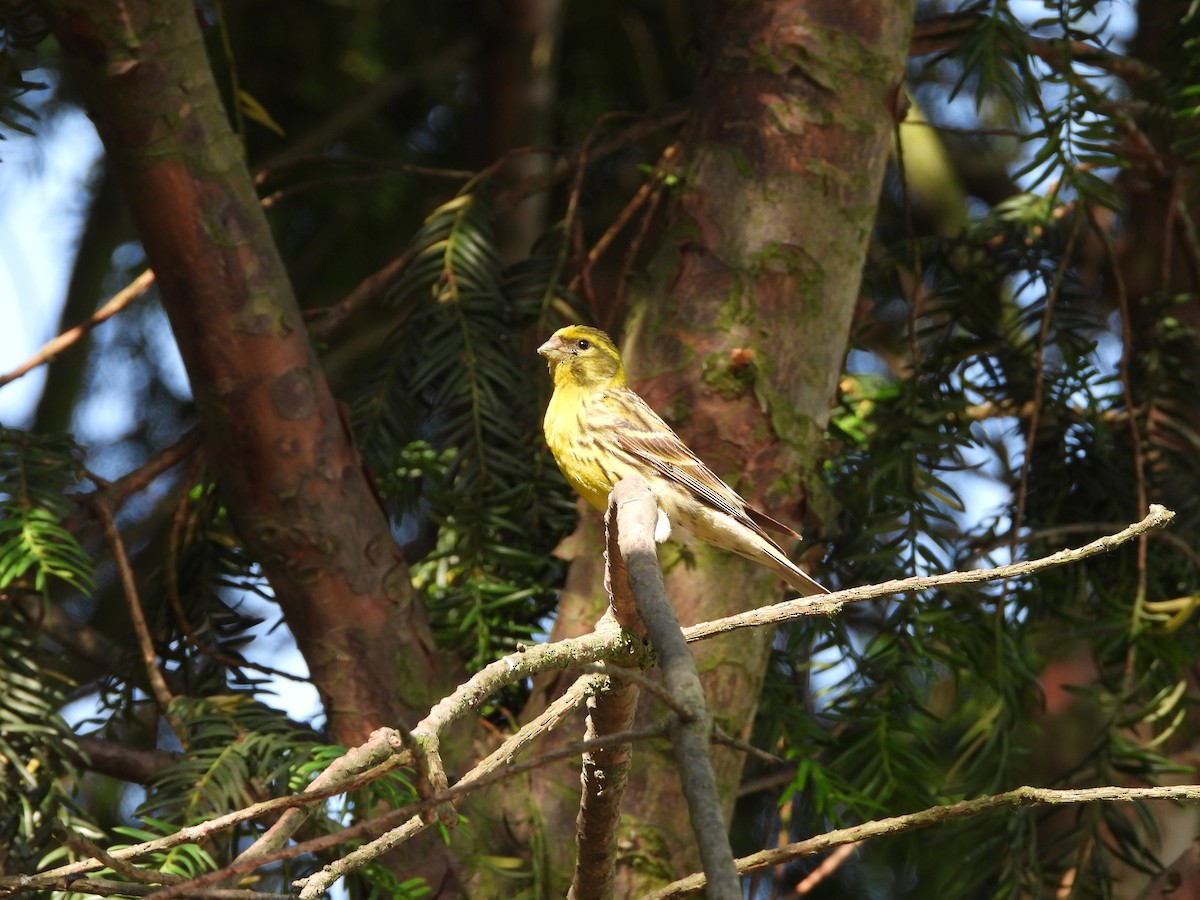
{"points": [[611, 709], [939, 34], [135, 764], [275, 439], [141, 629]]}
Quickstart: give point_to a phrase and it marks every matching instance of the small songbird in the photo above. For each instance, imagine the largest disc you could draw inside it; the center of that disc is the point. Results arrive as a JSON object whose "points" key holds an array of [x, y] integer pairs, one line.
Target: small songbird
{"points": [[600, 431]]}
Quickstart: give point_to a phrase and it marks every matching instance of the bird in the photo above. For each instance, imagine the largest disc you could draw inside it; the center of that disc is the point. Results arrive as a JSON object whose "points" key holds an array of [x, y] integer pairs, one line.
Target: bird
{"points": [[600, 431]]}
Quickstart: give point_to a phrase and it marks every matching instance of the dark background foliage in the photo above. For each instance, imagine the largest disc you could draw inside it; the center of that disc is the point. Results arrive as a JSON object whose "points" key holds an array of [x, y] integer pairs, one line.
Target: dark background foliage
{"points": [[1021, 376]]}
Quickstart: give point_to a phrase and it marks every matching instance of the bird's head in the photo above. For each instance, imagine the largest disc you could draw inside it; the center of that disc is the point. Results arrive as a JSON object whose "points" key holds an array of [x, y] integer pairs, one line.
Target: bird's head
{"points": [[584, 357]]}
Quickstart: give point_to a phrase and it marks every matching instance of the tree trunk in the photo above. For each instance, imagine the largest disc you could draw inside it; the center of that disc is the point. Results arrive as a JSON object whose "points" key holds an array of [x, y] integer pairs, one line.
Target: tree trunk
{"points": [[740, 336], [276, 439]]}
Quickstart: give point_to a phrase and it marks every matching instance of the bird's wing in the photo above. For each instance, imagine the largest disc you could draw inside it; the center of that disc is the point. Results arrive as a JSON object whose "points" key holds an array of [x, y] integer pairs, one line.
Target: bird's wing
{"points": [[644, 435]]}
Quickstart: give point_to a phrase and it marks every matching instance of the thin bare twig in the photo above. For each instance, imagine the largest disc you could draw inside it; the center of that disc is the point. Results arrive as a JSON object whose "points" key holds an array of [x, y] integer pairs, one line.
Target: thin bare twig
{"points": [[648, 190], [367, 290], [141, 477], [12, 885], [158, 683], [83, 847], [827, 867], [720, 736], [565, 165], [57, 345], [376, 757], [1014, 799], [608, 317], [828, 604]]}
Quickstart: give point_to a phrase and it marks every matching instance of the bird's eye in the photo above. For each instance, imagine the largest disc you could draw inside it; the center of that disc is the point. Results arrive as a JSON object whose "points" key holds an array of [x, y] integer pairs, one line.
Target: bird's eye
{"points": [[583, 345]]}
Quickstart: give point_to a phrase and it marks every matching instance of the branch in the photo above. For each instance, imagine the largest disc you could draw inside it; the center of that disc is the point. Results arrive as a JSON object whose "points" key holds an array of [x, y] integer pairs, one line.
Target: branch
{"points": [[377, 755], [296, 487], [636, 515], [154, 675], [611, 710], [464, 787], [829, 604], [137, 765], [607, 642], [85, 848], [500, 769], [57, 345], [115, 493], [316, 885], [1014, 799], [198, 834], [373, 827], [102, 887], [565, 165], [828, 866], [938, 34], [371, 287]]}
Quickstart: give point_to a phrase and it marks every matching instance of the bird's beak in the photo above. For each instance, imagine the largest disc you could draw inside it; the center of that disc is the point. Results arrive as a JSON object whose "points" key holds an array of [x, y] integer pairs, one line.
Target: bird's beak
{"points": [[554, 349]]}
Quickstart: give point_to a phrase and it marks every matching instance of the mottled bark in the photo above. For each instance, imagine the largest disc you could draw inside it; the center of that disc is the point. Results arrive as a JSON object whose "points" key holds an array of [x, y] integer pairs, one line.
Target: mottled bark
{"points": [[276, 440]]}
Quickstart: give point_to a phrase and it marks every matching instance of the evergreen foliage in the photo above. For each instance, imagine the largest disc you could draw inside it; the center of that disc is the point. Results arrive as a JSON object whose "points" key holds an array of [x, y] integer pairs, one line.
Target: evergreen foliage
{"points": [[1003, 357], [454, 420]]}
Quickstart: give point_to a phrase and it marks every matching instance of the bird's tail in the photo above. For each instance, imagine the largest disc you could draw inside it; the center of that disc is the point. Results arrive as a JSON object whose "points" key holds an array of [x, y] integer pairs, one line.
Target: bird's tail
{"points": [[802, 582], [774, 557]]}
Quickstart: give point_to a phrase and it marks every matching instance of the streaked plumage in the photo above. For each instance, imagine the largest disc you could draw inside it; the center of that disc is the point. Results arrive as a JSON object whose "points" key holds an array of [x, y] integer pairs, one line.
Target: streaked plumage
{"points": [[600, 431]]}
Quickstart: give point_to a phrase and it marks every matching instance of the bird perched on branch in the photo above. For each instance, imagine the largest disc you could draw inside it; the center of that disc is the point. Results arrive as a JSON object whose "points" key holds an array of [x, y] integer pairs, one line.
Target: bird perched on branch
{"points": [[600, 431]]}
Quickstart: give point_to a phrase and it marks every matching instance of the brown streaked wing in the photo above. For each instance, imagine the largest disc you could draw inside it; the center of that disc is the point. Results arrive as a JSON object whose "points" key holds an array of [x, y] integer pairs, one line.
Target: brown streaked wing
{"points": [[645, 436]]}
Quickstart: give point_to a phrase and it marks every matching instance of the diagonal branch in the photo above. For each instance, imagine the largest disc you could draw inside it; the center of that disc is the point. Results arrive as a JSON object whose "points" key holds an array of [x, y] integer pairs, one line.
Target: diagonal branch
{"points": [[106, 887], [158, 682], [57, 345], [830, 604], [296, 487], [377, 755], [316, 884], [1014, 799]]}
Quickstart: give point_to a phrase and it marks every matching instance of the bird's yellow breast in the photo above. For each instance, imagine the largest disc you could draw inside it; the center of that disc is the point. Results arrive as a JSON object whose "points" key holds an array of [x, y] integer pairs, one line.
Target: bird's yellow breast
{"points": [[575, 446]]}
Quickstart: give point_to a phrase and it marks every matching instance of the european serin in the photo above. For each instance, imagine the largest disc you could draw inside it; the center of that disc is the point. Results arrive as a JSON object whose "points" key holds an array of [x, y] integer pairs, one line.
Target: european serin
{"points": [[601, 431]]}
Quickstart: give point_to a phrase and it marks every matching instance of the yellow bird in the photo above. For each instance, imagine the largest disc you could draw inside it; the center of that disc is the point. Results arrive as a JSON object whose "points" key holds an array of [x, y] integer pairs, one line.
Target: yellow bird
{"points": [[600, 431]]}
